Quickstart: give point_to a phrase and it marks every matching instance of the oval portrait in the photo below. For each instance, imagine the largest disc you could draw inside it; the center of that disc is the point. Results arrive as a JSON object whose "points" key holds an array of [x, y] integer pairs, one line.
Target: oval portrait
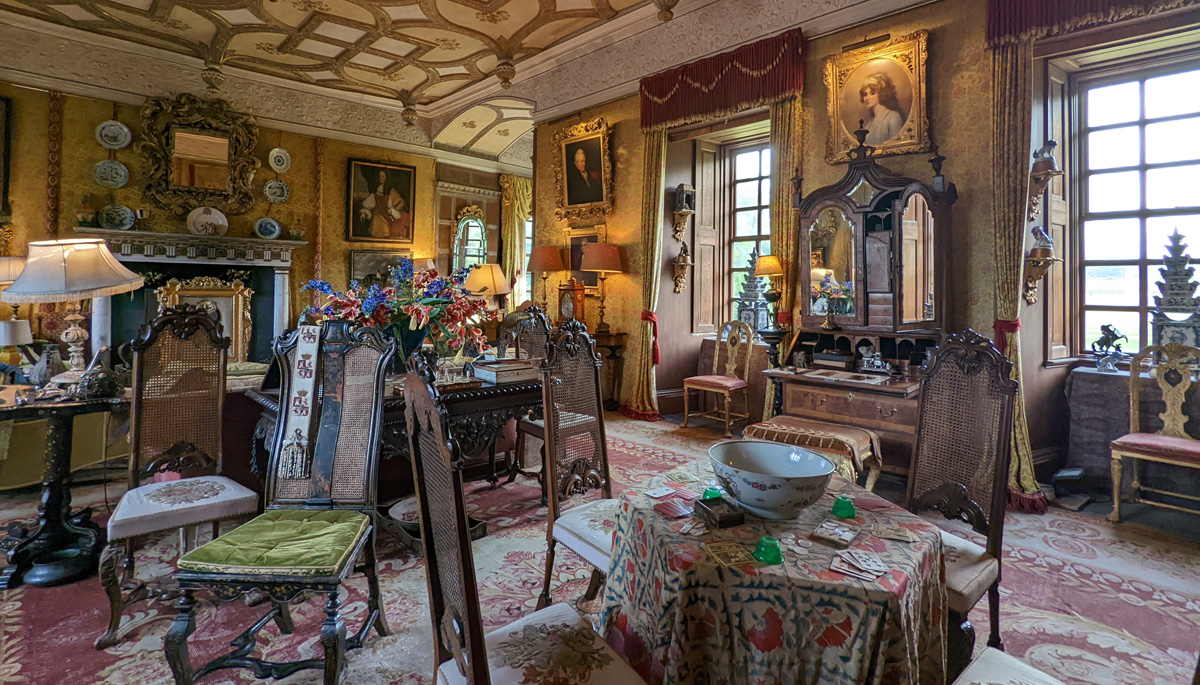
{"points": [[879, 93]]}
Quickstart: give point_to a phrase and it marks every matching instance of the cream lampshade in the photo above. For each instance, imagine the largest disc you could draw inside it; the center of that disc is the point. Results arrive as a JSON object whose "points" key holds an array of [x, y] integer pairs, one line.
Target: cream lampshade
{"points": [[10, 268], [489, 281], [604, 259], [15, 332], [70, 271]]}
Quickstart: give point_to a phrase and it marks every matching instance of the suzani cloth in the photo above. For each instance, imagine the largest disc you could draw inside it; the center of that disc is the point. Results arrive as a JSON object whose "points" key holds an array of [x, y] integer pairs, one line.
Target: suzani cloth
{"points": [[678, 616]]}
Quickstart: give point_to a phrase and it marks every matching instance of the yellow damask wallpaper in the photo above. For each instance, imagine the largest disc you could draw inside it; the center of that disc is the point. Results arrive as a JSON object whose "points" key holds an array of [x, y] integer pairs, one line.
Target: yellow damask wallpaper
{"points": [[80, 151]]}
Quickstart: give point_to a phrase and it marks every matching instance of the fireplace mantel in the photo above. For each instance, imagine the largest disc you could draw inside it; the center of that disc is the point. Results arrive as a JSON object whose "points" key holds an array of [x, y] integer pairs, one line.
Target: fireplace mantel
{"points": [[149, 246]]}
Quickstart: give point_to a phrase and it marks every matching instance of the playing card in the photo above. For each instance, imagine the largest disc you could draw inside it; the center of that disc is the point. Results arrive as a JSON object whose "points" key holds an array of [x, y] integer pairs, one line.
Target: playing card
{"points": [[837, 535], [894, 533], [687, 495], [845, 568], [672, 509], [728, 553], [865, 560], [659, 493], [682, 477]]}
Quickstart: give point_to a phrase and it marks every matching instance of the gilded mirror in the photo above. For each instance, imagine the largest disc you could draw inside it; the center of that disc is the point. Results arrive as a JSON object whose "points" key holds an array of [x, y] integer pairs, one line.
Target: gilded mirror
{"points": [[198, 153], [831, 260], [916, 261]]}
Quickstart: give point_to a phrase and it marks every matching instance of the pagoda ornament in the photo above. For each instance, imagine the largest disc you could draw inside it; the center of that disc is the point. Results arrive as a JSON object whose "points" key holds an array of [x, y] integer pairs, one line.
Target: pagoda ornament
{"points": [[1176, 313]]}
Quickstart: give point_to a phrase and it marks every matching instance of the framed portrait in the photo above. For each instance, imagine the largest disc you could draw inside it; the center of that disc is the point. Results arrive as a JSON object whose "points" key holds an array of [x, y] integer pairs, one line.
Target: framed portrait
{"points": [[880, 88], [379, 201], [370, 266], [583, 173], [226, 301], [576, 239]]}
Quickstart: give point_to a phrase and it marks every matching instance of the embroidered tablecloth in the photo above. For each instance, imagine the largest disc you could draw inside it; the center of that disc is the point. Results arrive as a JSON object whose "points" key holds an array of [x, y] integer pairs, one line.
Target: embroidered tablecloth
{"points": [[678, 616]]}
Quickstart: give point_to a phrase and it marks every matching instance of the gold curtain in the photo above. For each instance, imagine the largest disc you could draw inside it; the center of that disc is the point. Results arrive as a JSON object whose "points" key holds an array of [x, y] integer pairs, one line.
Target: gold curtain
{"points": [[1012, 109], [516, 206], [785, 238], [643, 401]]}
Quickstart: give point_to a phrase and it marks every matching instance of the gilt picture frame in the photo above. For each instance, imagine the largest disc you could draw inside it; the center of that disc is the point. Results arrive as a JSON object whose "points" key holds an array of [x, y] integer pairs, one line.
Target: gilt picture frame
{"points": [[883, 87], [374, 266], [380, 198], [227, 301], [583, 172]]}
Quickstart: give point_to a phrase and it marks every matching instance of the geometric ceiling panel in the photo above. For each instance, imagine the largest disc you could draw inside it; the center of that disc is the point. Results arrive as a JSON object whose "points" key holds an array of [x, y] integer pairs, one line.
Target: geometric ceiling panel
{"points": [[499, 137], [488, 128], [413, 50]]}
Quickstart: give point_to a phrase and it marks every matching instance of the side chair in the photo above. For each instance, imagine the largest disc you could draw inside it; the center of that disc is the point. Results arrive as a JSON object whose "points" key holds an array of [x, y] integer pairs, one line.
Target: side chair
{"points": [[736, 341], [178, 392], [960, 467], [548, 647], [320, 516]]}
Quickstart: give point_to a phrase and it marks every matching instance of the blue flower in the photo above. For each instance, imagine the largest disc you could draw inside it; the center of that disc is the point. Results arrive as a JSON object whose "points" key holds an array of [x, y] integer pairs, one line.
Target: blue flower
{"points": [[460, 275], [373, 300], [435, 287], [406, 269], [320, 286]]}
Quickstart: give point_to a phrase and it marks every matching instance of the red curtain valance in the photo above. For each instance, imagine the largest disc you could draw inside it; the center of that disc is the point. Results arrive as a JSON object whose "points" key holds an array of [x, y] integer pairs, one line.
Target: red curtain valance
{"points": [[1011, 20], [750, 76]]}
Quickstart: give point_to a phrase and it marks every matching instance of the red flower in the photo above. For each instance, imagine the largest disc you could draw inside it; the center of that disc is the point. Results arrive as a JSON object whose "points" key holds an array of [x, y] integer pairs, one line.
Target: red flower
{"points": [[836, 634], [769, 638]]}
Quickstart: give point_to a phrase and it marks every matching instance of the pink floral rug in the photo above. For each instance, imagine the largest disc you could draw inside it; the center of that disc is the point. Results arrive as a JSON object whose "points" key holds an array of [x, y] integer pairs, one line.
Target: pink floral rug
{"points": [[1083, 600]]}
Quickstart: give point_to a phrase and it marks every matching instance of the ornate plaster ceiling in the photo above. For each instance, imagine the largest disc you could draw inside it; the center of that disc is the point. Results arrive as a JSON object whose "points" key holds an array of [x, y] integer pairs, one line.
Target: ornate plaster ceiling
{"points": [[414, 50], [487, 128]]}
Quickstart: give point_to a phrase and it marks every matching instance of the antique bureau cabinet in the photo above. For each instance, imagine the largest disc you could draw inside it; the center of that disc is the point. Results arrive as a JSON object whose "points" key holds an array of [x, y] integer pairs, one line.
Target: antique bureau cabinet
{"points": [[877, 246]]}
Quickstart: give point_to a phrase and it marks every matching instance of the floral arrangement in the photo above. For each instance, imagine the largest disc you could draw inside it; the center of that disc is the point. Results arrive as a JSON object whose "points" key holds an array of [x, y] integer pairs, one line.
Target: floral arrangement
{"points": [[417, 302], [837, 295]]}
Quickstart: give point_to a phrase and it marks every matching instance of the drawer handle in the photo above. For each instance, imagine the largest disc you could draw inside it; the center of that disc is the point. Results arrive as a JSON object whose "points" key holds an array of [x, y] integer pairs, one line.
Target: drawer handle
{"points": [[879, 409], [849, 395], [813, 401]]}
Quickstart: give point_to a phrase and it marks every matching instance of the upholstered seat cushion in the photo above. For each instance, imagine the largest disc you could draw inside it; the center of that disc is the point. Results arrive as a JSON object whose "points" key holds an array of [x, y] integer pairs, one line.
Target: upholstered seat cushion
{"points": [[714, 383], [174, 504], [859, 444], [295, 542], [994, 667], [554, 645], [566, 420], [588, 530], [970, 571], [1180, 449]]}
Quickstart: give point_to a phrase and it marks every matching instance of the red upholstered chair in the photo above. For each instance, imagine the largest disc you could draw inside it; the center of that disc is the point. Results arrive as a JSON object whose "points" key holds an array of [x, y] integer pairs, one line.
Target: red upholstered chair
{"points": [[735, 340], [1173, 367]]}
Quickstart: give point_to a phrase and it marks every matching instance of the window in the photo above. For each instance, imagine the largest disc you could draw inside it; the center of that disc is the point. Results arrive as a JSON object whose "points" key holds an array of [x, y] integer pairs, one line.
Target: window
{"points": [[525, 257], [472, 243], [748, 228], [1140, 166]]}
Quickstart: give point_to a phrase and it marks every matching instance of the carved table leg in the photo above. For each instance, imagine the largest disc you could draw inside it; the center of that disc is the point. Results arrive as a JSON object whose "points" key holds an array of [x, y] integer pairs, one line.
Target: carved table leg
{"points": [[1117, 474], [175, 644]]}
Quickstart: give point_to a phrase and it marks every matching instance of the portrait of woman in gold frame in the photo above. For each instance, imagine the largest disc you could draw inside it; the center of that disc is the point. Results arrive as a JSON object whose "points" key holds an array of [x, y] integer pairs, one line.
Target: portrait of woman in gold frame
{"points": [[229, 302], [883, 87]]}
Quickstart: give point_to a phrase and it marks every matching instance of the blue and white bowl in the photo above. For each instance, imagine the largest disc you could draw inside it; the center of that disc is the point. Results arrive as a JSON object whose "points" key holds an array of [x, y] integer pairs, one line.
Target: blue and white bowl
{"points": [[770, 479]]}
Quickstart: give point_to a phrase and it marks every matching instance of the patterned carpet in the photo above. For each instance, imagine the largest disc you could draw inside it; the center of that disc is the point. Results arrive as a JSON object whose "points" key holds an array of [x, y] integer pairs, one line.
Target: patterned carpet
{"points": [[1083, 600]]}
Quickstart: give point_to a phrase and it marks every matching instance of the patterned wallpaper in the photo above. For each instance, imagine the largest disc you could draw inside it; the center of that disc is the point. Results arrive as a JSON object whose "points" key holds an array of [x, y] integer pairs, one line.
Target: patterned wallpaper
{"points": [[80, 152]]}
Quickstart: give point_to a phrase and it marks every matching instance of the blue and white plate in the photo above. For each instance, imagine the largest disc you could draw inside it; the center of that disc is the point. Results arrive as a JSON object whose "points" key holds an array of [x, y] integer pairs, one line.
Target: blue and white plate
{"points": [[113, 135], [276, 191], [110, 173], [267, 228], [279, 159], [116, 217]]}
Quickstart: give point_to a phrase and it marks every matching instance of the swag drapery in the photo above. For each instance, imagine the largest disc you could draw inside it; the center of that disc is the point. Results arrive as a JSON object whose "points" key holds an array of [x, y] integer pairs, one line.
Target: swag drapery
{"points": [[1013, 26], [767, 72], [516, 206]]}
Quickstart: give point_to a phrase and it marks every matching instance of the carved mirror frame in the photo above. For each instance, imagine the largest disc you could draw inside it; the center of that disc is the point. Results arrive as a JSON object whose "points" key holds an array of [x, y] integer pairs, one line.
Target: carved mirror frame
{"points": [[238, 330], [160, 118]]}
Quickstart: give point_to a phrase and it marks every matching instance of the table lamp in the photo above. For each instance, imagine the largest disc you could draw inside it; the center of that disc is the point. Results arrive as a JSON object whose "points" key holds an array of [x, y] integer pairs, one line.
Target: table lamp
{"points": [[70, 271], [545, 259], [604, 259], [489, 281], [10, 268], [769, 265]]}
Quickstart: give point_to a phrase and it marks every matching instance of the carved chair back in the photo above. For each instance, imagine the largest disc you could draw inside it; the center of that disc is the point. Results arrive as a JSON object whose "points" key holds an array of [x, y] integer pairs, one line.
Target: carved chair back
{"points": [[571, 404], [178, 393], [527, 330], [961, 460], [735, 340], [445, 533], [342, 445], [1173, 367]]}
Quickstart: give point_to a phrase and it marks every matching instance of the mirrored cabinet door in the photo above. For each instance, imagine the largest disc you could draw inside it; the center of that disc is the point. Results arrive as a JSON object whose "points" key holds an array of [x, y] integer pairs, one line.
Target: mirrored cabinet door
{"points": [[833, 268], [917, 262]]}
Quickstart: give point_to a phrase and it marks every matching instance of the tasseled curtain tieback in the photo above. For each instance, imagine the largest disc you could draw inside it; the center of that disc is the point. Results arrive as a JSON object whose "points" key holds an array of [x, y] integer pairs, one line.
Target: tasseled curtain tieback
{"points": [[1003, 327], [650, 316]]}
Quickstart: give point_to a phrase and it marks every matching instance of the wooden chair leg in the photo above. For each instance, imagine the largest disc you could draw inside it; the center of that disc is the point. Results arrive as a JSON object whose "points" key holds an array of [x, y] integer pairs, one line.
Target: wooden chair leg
{"points": [[175, 644], [594, 585], [283, 618], [1117, 474], [216, 529], [333, 639], [994, 617], [728, 404], [1135, 465], [687, 393], [960, 643], [544, 598], [374, 597], [110, 580], [872, 476]]}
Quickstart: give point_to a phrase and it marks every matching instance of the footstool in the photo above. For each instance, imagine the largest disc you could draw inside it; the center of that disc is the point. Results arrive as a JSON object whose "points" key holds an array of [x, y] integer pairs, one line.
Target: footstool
{"points": [[852, 450]]}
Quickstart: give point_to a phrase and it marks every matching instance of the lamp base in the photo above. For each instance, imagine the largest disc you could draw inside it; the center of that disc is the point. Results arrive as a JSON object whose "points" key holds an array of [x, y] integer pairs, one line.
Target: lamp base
{"points": [[76, 338]]}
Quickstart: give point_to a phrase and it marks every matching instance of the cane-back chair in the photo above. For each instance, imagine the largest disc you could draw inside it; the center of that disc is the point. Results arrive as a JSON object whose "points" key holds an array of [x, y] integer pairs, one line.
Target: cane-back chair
{"points": [[320, 514], [526, 332], [178, 392], [735, 341], [960, 468], [1173, 367], [575, 454], [551, 645]]}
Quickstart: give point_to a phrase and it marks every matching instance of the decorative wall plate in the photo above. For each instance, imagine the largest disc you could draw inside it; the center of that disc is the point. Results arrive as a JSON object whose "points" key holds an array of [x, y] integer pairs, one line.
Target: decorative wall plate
{"points": [[116, 217], [113, 135], [279, 159], [267, 228], [207, 221], [276, 191], [110, 173]]}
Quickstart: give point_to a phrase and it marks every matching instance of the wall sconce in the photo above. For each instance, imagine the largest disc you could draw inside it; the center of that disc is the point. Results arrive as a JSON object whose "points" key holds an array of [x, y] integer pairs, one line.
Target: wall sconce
{"points": [[1038, 262], [680, 268], [1045, 167], [685, 207]]}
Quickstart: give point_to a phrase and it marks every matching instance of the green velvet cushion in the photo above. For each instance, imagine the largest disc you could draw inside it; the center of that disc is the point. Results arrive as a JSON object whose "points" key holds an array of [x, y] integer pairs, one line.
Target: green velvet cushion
{"points": [[245, 369], [294, 542]]}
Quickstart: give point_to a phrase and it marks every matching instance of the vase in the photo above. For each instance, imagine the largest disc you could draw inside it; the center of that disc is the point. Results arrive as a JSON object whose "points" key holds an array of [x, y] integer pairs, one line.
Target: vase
{"points": [[410, 341]]}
